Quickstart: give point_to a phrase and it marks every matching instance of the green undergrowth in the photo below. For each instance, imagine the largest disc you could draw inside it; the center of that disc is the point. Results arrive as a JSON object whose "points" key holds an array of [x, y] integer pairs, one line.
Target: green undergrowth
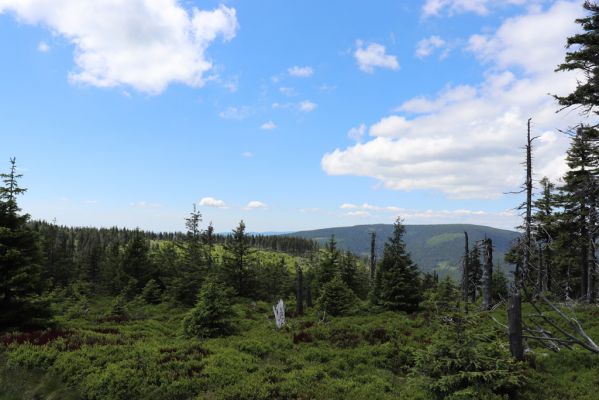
{"points": [[92, 353]]}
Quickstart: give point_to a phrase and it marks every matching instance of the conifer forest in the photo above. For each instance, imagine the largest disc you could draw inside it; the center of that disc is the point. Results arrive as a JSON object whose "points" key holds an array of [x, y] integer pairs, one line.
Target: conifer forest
{"points": [[100, 313]]}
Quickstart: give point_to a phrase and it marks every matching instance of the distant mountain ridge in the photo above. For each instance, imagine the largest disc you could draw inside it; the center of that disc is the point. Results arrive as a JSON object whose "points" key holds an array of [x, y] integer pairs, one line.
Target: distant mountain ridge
{"points": [[432, 247]]}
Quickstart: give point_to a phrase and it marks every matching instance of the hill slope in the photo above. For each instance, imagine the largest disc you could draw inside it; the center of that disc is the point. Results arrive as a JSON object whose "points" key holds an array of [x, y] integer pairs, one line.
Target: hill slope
{"points": [[433, 247]]}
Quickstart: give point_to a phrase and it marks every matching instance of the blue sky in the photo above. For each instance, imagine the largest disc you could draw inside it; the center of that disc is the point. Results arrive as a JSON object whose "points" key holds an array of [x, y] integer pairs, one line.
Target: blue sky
{"points": [[289, 115]]}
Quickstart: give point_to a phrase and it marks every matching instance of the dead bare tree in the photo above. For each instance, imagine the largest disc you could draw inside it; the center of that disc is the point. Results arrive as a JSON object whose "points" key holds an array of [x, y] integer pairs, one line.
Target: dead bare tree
{"points": [[549, 325]]}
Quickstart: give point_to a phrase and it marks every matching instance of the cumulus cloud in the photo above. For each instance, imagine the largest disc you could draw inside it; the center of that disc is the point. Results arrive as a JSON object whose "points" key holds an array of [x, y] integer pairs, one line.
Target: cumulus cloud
{"points": [[449, 95], [300, 72], [427, 46], [212, 202], [359, 213], [255, 205], [480, 7], [466, 141], [146, 44], [268, 126], [374, 55], [357, 133], [307, 106], [247, 154]]}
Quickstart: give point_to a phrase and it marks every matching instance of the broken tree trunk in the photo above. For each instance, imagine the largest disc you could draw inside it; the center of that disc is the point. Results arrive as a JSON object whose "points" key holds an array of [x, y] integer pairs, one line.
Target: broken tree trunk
{"points": [[487, 277], [514, 314], [514, 308]]}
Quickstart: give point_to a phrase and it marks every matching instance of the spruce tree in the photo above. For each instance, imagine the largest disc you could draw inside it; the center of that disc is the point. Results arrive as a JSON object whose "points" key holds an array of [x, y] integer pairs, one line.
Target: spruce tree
{"points": [[328, 267], [398, 277], [238, 268], [21, 260], [336, 298], [545, 231], [579, 202], [584, 57], [212, 315]]}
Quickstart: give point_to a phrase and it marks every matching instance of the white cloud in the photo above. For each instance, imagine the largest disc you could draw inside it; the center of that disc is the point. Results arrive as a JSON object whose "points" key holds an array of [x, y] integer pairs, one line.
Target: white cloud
{"points": [[300, 72], [357, 133], [507, 219], [43, 47], [466, 142], [247, 154], [255, 205], [268, 126], [307, 106], [303, 106], [427, 46], [212, 202], [146, 44], [359, 213], [235, 113], [527, 42], [374, 56], [480, 7], [450, 95]]}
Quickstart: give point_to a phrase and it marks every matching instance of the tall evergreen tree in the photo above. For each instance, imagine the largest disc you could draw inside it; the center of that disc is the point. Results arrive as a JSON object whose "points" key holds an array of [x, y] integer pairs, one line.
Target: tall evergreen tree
{"points": [[328, 267], [238, 265], [579, 202], [21, 259], [187, 282], [584, 57], [399, 277], [545, 232]]}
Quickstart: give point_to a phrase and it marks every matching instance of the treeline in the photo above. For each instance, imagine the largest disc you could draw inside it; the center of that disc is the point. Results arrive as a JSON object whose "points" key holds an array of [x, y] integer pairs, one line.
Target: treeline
{"points": [[89, 254]]}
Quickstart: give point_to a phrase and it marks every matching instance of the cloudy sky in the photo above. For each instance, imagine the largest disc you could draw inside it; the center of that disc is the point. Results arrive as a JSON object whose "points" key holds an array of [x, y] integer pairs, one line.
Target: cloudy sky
{"points": [[289, 115]]}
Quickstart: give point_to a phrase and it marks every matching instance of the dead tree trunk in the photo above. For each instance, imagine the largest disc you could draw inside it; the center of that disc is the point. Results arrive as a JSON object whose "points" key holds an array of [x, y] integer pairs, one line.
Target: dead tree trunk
{"points": [[514, 309], [372, 255], [299, 291], [514, 317], [465, 273], [487, 277]]}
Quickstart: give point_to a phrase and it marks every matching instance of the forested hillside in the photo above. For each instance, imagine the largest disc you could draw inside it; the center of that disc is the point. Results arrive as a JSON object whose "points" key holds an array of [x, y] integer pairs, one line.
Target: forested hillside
{"points": [[432, 247]]}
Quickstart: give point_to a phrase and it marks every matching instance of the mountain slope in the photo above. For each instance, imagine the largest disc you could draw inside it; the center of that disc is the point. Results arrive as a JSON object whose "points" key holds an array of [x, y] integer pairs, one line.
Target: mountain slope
{"points": [[432, 247]]}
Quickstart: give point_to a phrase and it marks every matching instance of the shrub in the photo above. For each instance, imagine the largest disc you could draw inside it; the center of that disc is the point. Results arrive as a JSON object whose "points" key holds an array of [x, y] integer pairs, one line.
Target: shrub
{"points": [[152, 293], [336, 299], [461, 364], [212, 315]]}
